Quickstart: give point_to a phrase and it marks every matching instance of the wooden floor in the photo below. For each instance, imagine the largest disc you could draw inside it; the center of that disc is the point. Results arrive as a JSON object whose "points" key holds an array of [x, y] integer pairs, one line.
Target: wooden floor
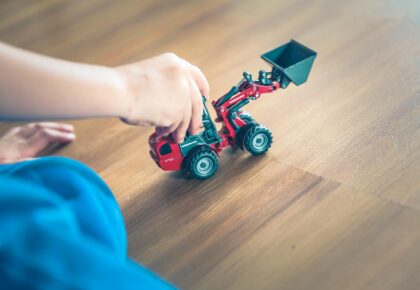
{"points": [[335, 204]]}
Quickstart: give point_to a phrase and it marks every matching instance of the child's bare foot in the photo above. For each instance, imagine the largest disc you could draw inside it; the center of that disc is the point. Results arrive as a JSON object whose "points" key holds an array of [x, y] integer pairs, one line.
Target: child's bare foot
{"points": [[25, 142]]}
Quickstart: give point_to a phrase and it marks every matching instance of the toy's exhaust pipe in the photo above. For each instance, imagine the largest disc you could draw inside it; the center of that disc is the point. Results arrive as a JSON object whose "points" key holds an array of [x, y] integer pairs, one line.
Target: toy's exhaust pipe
{"points": [[290, 62]]}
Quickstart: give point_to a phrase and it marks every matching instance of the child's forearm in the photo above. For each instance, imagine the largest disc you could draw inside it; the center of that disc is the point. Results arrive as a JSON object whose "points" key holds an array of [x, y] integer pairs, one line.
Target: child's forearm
{"points": [[163, 91], [33, 86]]}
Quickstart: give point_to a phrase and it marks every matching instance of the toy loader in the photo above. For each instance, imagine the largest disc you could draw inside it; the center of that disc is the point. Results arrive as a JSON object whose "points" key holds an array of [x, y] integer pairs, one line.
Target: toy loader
{"points": [[198, 154]]}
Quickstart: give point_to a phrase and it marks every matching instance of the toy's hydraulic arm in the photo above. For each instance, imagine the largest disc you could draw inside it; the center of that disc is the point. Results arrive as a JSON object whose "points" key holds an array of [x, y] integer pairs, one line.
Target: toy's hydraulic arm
{"points": [[229, 106], [247, 89]]}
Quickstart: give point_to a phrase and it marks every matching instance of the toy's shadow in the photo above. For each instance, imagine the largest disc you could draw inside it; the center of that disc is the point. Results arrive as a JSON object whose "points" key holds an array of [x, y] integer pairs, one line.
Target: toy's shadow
{"points": [[232, 164]]}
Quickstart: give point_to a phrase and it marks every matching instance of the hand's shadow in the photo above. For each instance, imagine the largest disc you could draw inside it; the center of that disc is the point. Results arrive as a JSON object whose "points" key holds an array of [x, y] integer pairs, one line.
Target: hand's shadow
{"points": [[52, 148]]}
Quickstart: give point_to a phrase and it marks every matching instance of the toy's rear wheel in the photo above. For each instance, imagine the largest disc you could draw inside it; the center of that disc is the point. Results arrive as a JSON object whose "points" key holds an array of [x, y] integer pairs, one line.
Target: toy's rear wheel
{"points": [[258, 140], [202, 164], [247, 118]]}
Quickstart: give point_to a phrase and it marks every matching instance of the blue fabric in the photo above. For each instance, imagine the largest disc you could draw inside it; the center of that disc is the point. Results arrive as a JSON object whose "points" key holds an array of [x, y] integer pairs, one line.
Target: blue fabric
{"points": [[61, 228]]}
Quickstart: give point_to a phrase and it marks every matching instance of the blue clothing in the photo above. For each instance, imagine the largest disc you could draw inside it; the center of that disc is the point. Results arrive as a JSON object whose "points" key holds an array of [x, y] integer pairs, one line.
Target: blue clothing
{"points": [[61, 228]]}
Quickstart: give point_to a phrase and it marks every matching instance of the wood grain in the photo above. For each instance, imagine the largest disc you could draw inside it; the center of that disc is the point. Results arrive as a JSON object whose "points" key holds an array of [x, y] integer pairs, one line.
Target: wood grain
{"points": [[335, 204]]}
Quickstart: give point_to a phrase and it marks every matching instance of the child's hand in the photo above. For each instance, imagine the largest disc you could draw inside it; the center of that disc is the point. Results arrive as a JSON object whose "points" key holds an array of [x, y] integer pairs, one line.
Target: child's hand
{"points": [[25, 142], [166, 92]]}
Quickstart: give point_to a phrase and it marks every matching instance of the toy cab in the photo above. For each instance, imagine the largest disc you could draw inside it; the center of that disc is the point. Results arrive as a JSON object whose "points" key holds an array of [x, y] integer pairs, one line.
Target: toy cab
{"points": [[196, 153]]}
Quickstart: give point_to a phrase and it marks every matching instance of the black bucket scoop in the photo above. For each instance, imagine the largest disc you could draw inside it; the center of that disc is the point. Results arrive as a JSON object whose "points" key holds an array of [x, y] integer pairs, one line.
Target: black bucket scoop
{"points": [[290, 62]]}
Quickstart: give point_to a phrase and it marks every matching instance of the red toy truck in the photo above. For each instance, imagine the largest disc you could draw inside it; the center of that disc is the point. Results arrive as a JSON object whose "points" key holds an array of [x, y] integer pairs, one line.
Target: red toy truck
{"points": [[198, 154]]}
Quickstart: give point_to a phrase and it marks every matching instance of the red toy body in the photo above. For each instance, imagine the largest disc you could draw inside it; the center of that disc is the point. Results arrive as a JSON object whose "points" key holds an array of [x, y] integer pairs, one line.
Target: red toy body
{"points": [[164, 161], [198, 154]]}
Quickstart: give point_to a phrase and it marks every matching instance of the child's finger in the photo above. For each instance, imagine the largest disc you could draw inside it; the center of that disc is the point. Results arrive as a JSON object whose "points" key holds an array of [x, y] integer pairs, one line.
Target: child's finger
{"points": [[179, 133], [199, 78], [163, 131], [31, 128], [45, 136], [197, 110], [51, 135], [58, 126]]}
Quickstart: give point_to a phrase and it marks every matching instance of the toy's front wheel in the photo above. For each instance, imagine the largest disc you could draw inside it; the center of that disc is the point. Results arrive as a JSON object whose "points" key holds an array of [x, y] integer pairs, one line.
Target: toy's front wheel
{"points": [[258, 140], [202, 164]]}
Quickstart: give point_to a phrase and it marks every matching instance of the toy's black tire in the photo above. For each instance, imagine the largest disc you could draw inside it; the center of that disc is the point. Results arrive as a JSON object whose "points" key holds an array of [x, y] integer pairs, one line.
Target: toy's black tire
{"points": [[202, 164], [258, 140], [240, 136], [247, 118]]}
